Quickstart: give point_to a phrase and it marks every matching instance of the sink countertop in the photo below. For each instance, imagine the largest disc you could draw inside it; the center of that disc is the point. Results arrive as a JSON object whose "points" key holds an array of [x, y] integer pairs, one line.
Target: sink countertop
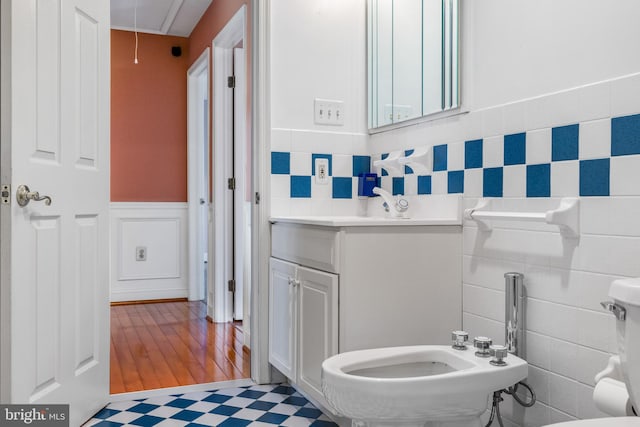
{"points": [[362, 221]]}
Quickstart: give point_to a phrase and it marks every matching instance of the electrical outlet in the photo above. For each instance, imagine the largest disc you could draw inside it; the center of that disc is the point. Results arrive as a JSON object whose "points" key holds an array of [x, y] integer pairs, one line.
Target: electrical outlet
{"points": [[328, 112], [141, 253], [322, 171]]}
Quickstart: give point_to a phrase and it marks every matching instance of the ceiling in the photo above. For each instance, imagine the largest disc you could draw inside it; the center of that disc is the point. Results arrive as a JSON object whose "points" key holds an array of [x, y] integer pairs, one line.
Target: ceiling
{"points": [[171, 17]]}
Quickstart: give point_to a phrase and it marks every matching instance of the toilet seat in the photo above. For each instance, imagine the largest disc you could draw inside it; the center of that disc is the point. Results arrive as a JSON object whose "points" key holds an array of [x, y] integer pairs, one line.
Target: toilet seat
{"points": [[602, 422]]}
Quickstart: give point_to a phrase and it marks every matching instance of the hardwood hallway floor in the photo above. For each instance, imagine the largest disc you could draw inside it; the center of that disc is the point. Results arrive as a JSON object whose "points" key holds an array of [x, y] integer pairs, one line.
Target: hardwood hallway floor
{"points": [[172, 344]]}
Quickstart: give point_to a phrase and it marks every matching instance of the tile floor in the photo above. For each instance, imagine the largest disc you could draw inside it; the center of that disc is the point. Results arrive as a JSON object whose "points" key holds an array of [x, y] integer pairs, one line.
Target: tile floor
{"points": [[265, 405]]}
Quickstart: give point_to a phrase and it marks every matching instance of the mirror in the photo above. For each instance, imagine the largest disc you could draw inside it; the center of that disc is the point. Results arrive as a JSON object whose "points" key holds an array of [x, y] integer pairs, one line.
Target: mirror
{"points": [[412, 48]]}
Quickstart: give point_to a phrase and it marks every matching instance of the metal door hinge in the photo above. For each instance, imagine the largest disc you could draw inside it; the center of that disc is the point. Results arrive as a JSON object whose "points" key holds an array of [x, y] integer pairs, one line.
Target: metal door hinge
{"points": [[232, 285], [257, 198], [231, 82], [5, 194], [231, 183]]}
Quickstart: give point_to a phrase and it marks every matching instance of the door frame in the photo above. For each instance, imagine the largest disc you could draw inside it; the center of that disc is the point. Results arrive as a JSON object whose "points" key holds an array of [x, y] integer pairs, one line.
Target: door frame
{"points": [[5, 210], [200, 66], [233, 33]]}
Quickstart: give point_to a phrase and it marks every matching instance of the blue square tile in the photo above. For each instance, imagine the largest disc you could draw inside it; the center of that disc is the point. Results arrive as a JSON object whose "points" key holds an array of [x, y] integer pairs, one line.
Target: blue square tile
{"points": [[216, 398], [342, 188], [143, 408], [321, 156], [455, 182], [407, 169], [146, 421], [187, 415], [261, 405], [253, 394], [564, 143], [308, 413], [284, 389], [515, 149], [272, 418], [440, 158], [322, 423], [106, 413], [361, 165], [424, 184], [180, 403], [280, 163], [234, 422], [539, 180], [492, 182], [595, 177], [224, 410], [105, 423], [300, 186], [473, 154], [397, 185], [295, 400], [625, 135]]}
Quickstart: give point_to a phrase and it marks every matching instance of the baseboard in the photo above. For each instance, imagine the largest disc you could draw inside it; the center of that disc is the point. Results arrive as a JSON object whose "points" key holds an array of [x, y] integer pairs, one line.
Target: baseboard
{"points": [[148, 301]]}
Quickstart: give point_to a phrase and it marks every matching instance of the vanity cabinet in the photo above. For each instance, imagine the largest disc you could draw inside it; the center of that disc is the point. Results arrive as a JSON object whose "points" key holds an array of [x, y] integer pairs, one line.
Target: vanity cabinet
{"points": [[303, 322], [342, 288]]}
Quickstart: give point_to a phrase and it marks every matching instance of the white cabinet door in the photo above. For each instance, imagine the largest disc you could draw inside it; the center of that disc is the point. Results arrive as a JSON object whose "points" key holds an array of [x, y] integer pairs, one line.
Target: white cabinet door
{"points": [[318, 323], [282, 317]]}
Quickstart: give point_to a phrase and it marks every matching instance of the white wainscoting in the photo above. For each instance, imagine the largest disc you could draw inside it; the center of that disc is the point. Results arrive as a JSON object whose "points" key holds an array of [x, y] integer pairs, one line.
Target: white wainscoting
{"points": [[161, 228]]}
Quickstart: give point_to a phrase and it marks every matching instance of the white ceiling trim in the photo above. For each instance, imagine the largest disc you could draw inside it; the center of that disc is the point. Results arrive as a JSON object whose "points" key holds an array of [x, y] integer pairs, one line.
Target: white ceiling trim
{"points": [[171, 16]]}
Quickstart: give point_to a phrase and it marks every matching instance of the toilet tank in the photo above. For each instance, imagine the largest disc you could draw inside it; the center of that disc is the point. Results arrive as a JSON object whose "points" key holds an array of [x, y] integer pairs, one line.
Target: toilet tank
{"points": [[626, 293]]}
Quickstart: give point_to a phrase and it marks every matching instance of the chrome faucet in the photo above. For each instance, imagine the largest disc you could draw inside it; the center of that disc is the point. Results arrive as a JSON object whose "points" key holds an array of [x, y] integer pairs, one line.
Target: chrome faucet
{"points": [[514, 314], [396, 206]]}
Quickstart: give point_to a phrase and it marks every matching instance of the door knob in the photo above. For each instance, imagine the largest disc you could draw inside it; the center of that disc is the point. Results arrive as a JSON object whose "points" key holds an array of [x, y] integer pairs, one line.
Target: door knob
{"points": [[24, 196]]}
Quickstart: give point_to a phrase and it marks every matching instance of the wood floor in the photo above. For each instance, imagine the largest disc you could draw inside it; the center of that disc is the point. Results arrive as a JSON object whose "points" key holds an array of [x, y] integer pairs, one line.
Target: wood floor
{"points": [[172, 344]]}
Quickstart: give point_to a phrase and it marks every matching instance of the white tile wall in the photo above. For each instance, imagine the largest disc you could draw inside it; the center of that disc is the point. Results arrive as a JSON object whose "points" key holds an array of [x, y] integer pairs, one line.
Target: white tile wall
{"points": [[570, 337]]}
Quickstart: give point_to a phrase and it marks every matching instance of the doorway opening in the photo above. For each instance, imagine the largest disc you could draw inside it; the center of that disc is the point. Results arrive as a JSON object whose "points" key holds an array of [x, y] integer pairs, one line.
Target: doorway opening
{"points": [[189, 340]]}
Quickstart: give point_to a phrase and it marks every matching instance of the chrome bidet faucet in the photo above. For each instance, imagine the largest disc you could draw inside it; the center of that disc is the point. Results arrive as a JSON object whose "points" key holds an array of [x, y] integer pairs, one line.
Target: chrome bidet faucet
{"points": [[396, 206]]}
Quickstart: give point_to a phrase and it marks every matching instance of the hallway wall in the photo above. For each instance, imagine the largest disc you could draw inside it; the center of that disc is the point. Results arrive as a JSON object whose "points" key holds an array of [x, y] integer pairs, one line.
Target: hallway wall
{"points": [[148, 119]]}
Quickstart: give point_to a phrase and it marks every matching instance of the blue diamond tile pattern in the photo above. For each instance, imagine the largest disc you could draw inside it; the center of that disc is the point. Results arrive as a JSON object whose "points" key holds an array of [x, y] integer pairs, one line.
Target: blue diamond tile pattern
{"points": [[275, 404]]}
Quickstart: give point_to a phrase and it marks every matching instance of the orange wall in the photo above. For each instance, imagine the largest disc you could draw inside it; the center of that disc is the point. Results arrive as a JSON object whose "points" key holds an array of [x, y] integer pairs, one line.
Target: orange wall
{"points": [[148, 119]]}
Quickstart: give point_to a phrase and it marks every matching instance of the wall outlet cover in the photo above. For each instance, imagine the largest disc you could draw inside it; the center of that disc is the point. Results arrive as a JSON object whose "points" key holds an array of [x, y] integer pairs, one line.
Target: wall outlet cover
{"points": [[322, 171]]}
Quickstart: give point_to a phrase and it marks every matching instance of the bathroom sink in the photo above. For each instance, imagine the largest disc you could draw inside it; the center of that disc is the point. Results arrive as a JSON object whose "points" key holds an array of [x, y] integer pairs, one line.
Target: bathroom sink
{"points": [[416, 384], [363, 221]]}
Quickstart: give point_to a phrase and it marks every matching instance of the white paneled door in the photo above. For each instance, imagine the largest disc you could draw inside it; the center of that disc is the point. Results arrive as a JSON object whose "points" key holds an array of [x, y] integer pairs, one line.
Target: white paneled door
{"points": [[59, 139]]}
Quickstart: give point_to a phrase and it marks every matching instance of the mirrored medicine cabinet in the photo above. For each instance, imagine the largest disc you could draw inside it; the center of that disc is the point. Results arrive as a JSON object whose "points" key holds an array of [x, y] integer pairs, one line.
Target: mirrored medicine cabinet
{"points": [[412, 55]]}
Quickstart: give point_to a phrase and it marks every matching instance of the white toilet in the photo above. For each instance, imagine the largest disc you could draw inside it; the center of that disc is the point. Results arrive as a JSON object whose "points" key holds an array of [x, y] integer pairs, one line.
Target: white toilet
{"points": [[626, 307]]}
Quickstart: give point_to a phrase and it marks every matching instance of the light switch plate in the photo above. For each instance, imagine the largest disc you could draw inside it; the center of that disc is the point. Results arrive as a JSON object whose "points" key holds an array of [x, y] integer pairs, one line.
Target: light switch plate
{"points": [[328, 112]]}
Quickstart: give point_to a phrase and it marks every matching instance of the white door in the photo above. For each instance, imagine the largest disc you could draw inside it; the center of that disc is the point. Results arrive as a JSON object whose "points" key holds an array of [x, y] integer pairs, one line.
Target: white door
{"points": [[59, 140], [282, 316], [317, 326]]}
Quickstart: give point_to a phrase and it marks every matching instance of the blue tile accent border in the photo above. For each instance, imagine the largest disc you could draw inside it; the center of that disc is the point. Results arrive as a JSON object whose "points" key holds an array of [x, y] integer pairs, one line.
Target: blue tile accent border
{"points": [[539, 180], [564, 143], [397, 186], [342, 188], [625, 135], [473, 154], [280, 163], [515, 149], [594, 177], [455, 182], [300, 186]]}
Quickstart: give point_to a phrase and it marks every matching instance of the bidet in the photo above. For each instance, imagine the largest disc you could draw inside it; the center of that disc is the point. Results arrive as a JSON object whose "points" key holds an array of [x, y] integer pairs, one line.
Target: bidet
{"points": [[427, 385]]}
